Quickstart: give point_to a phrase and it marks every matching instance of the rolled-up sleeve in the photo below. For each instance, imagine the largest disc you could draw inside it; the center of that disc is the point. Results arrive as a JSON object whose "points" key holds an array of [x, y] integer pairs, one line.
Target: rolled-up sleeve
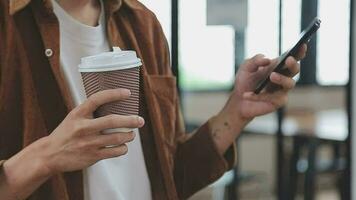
{"points": [[198, 162], [1, 163]]}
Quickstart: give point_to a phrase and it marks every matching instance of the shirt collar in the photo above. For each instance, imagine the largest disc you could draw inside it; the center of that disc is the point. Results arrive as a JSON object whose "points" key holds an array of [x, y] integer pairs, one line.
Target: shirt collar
{"points": [[17, 5]]}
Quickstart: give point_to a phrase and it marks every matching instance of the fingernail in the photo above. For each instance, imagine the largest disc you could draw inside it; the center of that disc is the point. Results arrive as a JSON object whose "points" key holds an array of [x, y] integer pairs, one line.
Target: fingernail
{"points": [[127, 92], [141, 120], [276, 76], [292, 60]]}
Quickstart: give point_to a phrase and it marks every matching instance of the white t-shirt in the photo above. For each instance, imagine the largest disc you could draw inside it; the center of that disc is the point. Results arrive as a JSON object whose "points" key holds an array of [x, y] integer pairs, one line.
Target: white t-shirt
{"points": [[122, 178]]}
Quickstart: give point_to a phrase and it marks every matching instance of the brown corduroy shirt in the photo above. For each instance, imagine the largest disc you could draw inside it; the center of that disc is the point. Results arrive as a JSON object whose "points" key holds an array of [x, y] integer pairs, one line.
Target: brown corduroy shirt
{"points": [[34, 98]]}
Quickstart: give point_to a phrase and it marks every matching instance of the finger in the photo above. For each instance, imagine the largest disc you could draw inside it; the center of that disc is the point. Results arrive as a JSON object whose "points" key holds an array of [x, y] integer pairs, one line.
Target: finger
{"points": [[302, 52], [100, 98], [283, 81], [257, 61], [112, 152], [292, 66], [115, 121], [257, 97], [261, 73], [276, 99], [116, 139]]}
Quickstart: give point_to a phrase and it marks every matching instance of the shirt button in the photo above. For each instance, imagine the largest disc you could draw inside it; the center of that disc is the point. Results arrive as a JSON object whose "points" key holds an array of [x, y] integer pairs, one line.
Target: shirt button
{"points": [[49, 52]]}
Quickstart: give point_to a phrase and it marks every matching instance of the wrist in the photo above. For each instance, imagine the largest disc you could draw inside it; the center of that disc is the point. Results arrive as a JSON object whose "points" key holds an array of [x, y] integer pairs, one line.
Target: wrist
{"points": [[225, 128], [232, 112], [43, 157], [234, 122], [26, 170], [30, 159]]}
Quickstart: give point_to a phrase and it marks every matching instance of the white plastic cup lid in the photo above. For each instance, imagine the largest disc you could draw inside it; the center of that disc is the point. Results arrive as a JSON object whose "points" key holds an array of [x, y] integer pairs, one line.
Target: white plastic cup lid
{"points": [[110, 61]]}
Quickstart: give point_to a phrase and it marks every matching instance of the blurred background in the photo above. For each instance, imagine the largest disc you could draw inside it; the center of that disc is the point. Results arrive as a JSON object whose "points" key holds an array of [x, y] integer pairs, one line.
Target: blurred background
{"points": [[303, 150]]}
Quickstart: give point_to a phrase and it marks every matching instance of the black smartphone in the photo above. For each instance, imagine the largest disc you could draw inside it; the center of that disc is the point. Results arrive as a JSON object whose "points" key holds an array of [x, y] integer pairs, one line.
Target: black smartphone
{"points": [[305, 37]]}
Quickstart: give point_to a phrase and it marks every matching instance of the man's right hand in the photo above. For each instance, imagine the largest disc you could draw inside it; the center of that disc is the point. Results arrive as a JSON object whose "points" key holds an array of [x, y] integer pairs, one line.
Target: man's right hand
{"points": [[75, 144], [78, 142]]}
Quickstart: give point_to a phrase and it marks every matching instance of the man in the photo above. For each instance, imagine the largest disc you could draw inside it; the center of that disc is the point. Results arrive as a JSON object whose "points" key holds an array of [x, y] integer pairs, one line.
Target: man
{"points": [[42, 43]]}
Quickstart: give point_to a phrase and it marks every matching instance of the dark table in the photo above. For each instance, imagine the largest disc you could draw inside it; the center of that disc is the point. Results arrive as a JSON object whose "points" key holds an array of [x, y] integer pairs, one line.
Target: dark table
{"points": [[313, 126]]}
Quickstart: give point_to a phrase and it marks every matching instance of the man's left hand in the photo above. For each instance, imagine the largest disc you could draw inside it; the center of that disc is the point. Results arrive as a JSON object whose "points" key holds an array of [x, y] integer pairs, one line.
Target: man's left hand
{"points": [[246, 103]]}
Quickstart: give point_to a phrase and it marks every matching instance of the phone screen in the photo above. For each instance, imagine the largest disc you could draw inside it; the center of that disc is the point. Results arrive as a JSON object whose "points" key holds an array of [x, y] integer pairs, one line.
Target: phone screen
{"points": [[305, 37]]}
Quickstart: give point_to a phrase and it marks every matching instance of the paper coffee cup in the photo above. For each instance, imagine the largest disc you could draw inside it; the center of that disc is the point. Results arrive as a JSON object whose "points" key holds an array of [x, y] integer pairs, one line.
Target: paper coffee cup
{"points": [[111, 70]]}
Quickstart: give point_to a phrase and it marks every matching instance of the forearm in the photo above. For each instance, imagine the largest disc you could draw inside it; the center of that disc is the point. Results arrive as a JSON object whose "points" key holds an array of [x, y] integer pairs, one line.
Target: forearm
{"points": [[23, 173], [227, 126]]}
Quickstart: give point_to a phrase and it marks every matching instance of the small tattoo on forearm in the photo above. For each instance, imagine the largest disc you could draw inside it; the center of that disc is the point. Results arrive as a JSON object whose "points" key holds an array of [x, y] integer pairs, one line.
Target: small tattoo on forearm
{"points": [[227, 125], [225, 128]]}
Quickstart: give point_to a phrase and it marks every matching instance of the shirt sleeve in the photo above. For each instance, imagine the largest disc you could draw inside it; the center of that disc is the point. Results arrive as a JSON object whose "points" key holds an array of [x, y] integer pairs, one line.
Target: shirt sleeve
{"points": [[198, 162]]}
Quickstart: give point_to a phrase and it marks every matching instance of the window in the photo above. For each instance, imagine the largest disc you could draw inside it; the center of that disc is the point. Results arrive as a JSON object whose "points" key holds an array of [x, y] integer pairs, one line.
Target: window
{"points": [[206, 53], [291, 24], [333, 42], [262, 28], [291, 15]]}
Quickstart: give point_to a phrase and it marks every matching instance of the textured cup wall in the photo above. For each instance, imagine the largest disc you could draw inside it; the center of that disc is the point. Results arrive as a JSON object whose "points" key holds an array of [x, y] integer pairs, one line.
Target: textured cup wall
{"points": [[126, 78]]}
